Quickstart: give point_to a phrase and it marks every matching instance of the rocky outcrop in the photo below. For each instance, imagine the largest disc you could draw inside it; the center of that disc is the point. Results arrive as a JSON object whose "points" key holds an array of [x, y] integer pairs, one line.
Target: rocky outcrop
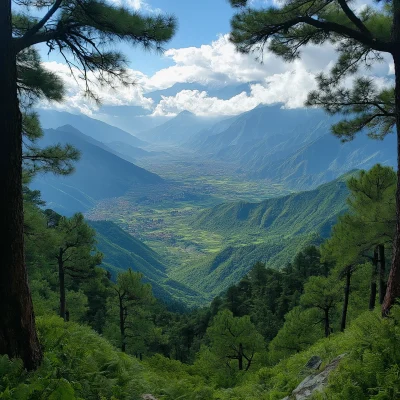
{"points": [[314, 383]]}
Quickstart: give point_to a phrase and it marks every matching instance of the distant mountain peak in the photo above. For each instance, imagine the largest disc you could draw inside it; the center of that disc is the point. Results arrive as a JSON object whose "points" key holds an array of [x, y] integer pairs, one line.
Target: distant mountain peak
{"points": [[68, 128], [186, 113]]}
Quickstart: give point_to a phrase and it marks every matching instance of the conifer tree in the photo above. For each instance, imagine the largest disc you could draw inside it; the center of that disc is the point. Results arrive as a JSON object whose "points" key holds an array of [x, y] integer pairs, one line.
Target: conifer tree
{"points": [[84, 32], [75, 254], [131, 295], [234, 340], [361, 38]]}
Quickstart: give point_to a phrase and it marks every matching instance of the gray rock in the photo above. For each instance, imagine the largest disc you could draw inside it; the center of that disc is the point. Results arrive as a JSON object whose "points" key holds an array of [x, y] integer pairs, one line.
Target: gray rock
{"points": [[314, 383], [314, 363], [148, 397]]}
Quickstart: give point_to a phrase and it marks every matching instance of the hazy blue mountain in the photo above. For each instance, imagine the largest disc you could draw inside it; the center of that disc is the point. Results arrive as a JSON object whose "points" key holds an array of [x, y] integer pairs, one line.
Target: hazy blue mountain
{"points": [[272, 125], [132, 119], [290, 146], [123, 251], [99, 174], [326, 158], [177, 130], [197, 140], [130, 153], [91, 127]]}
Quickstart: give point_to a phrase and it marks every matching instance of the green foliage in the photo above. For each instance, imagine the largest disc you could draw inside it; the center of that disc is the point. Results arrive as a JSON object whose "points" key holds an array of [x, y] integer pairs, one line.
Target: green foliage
{"points": [[123, 251], [252, 342], [283, 226], [234, 341], [128, 309], [78, 364], [82, 31], [361, 37]]}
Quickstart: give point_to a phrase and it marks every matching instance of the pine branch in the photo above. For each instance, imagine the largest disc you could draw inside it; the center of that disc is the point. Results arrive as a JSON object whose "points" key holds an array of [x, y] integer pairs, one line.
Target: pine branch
{"points": [[43, 21], [353, 18]]}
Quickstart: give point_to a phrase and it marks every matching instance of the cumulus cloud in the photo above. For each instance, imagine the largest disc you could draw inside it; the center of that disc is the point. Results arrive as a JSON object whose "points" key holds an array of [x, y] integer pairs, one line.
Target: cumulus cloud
{"points": [[75, 98], [217, 64], [290, 88], [136, 5]]}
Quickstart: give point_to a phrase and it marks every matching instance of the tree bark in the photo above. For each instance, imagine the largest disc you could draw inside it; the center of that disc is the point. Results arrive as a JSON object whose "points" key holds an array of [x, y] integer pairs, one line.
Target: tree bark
{"points": [[382, 273], [240, 357], [18, 337], [327, 325], [372, 291], [61, 279], [346, 299], [122, 324], [393, 285]]}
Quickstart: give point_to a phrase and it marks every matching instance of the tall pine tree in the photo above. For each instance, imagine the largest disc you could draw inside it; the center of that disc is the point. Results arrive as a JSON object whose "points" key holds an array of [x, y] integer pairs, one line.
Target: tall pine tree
{"points": [[361, 38], [83, 32]]}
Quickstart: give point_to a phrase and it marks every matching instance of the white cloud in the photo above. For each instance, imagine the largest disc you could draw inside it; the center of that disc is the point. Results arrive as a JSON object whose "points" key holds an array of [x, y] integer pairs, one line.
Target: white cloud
{"points": [[75, 98], [290, 88], [136, 5], [217, 64]]}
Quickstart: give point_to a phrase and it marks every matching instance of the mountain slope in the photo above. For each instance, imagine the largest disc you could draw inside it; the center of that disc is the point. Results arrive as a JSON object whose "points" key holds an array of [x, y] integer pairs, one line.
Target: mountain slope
{"points": [[272, 231], [298, 213], [91, 127], [122, 251], [326, 158], [99, 174], [130, 153], [293, 147], [274, 126], [177, 130]]}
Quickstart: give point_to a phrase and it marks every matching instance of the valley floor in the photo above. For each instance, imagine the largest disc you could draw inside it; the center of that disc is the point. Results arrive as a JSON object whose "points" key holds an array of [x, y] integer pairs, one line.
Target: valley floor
{"points": [[164, 215]]}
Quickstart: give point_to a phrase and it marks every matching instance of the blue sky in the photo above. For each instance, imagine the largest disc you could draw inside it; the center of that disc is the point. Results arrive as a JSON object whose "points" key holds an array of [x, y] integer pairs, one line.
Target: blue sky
{"points": [[199, 22], [201, 53]]}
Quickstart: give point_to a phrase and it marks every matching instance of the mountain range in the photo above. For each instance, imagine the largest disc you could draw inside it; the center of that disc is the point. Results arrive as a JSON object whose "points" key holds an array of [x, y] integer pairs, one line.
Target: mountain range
{"points": [[99, 174], [271, 145], [105, 133], [177, 130], [293, 147]]}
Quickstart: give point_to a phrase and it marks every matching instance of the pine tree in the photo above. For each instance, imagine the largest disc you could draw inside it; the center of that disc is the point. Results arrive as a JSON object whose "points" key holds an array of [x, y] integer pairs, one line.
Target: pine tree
{"points": [[361, 39], [322, 294], [75, 254], [83, 32], [131, 295], [368, 227], [234, 340]]}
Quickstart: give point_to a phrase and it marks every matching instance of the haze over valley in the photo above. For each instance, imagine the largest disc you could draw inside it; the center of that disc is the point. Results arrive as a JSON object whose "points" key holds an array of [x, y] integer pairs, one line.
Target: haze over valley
{"points": [[208, 196]]}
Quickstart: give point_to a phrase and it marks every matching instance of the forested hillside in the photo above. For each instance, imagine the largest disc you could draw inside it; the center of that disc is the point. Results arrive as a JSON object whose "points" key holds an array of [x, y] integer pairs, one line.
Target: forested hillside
{"points": [[122, 251], [272, 231], [249, 250], [257, 340]]}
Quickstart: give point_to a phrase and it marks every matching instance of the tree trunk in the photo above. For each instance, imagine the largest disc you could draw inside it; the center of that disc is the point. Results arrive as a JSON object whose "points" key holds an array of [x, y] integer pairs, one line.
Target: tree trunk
{"points": [[122, 324], [240, 357], [61, 279], [346, 299], [382, 273], [372, 291], [18, 337], [393, 285], [327, 325]]}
